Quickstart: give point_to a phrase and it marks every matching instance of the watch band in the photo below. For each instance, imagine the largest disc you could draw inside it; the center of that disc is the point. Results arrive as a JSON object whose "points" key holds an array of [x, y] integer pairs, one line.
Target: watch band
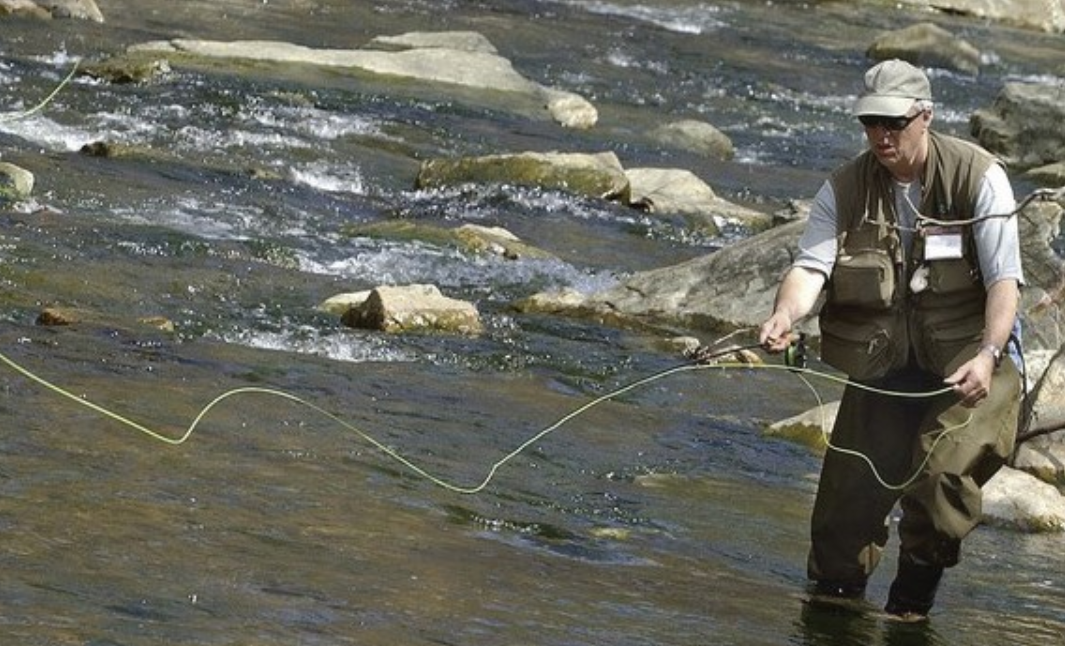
{"points": [[994, 351]]}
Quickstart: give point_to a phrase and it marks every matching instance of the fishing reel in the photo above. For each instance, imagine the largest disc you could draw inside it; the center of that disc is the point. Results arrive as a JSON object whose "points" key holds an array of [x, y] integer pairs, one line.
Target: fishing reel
{"points": [[795, 356]]}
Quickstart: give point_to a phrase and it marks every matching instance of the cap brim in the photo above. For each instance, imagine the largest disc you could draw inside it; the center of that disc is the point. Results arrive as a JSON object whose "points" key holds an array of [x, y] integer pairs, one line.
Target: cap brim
{"points": [[888, 106]]}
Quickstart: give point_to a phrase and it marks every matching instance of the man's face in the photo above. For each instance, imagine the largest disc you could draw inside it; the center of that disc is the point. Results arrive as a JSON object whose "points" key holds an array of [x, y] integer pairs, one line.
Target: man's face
{"points": [[898, 142]]}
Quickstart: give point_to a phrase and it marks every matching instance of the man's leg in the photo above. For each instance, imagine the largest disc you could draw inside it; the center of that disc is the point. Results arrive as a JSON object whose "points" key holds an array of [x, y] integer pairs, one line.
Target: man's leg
{"points": [[945, 505], [848, 526]]}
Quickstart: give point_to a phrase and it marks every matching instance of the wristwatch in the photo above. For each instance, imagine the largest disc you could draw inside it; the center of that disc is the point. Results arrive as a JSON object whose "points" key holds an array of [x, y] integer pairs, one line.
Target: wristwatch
{"points": [[994, 351]]}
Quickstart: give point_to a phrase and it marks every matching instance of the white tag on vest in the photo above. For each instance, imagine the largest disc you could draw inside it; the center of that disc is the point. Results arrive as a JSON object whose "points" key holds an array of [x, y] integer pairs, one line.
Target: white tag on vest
{"points": [[942, 243]]}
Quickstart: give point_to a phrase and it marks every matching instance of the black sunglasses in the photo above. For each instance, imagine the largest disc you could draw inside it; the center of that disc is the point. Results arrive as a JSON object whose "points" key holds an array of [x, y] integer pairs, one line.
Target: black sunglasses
{"points": [[893, 124]]}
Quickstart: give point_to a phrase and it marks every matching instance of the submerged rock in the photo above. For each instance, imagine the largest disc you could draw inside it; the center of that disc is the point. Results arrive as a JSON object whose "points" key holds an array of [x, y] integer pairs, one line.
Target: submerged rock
{"points": [[470, 238]]}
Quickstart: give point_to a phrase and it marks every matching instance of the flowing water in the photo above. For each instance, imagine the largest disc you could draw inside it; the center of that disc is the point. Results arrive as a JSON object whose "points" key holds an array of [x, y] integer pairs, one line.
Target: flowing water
{"points": [[663, 516]]}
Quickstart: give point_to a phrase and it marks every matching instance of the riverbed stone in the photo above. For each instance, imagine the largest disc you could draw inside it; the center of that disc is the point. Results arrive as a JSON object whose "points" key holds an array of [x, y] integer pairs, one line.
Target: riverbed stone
{"points": [[1023, 125], [1044, 456], [695, 136], [675, 190], [1051, 175], [430, 58], [1018, 500], [1041, 15], [80, 9], [593, 174], [469, 41], [16, 183], [413, 308], [729, 289], [23, 8], [927, 44], [127, 68]]}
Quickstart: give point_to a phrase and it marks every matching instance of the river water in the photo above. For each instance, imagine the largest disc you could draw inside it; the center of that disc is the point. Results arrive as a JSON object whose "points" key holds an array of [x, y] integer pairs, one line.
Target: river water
{"points": [[663, 516]]}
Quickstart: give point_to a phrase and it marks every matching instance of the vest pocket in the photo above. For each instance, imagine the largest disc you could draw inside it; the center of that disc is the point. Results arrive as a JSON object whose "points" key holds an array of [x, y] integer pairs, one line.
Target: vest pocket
{"points": [[865, 278], [862, 350], [949, 276], [947, 345]]}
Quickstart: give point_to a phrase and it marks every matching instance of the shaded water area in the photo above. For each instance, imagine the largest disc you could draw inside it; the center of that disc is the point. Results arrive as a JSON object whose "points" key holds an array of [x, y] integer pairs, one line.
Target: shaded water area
{"points": [[661, 517]]}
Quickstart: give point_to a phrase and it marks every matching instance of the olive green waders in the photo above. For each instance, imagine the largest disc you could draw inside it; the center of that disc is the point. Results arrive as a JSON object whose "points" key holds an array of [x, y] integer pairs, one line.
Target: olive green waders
{"points": [[940, 507]]}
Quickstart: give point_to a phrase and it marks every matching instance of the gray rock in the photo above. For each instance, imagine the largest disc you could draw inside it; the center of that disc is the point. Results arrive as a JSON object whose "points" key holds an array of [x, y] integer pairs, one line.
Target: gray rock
{"points": [[1023, 125], [927, 44], [695, 136]]}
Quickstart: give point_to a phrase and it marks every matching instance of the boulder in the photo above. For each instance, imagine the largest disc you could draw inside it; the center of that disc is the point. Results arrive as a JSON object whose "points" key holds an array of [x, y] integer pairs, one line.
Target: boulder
{"points": [[595, 175], [929, 45], [461, 59], [1043, 298], [1044, 455], [729, 289], [339, 304], [1039, 15], [80, 9], [16, 183], [1050, 175], [673, 190], [697, 137], [1017, 500], [1023, 125], [413, 308], [23, 8]]}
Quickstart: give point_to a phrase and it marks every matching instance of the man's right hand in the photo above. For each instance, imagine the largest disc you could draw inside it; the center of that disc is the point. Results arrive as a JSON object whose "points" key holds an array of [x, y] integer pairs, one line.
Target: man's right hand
{"points": [[775, 334]]}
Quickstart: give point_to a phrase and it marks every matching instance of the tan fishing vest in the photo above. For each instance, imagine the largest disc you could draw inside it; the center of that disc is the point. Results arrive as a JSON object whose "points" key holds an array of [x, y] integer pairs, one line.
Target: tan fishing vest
{"points": [[873, 322]]}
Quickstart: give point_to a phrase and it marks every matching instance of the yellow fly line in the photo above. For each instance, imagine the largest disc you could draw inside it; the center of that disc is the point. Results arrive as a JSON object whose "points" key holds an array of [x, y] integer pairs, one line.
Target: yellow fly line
{"points": [[803, 373], [15, 116]]}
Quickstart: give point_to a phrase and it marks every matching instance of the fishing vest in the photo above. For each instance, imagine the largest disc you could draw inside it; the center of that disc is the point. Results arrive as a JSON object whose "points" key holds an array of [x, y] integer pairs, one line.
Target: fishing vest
{"points": [[886, 308]]}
